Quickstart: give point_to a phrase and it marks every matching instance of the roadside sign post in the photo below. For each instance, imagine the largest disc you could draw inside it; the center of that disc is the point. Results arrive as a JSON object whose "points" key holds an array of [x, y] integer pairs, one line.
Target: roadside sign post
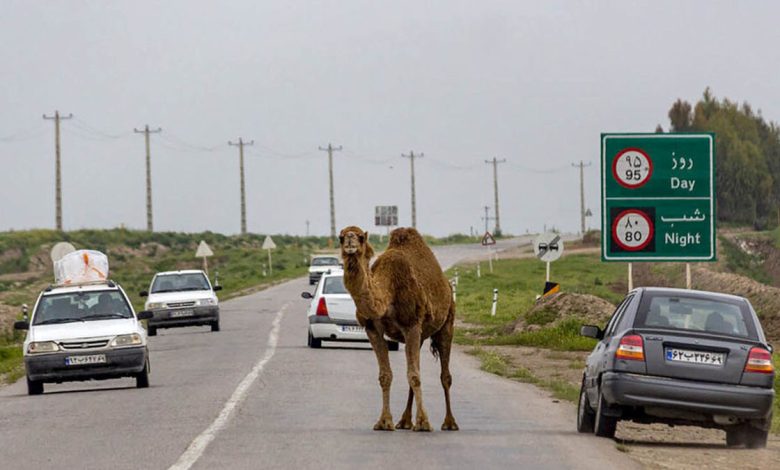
{"points": [[268, 245], [204, 251], [548, 247], [488, 241], [658, 198]]}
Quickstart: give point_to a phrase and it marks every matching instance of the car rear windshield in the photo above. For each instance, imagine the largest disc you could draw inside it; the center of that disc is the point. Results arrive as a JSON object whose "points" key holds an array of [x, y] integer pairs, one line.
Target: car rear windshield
{"points": [[179, 282], [325, 262], [81, 306], [334, 285], [719, 316]]}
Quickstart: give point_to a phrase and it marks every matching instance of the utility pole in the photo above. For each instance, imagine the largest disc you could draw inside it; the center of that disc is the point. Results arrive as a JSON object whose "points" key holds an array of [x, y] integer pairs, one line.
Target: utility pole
{"points": [[495, 163], [411, 158], [146, 132], [330, 149], [240, 146], [57, 166], [582, 166], [307, 227], [487, 218]]}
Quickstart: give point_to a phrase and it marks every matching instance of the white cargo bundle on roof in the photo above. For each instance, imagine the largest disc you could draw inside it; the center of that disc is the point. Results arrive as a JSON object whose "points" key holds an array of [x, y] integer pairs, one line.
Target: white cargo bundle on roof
{"points": [[81, 267]]}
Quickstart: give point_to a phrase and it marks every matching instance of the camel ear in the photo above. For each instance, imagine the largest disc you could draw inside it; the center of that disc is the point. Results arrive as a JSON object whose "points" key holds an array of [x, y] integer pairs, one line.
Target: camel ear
{"points": [[365, 234]]}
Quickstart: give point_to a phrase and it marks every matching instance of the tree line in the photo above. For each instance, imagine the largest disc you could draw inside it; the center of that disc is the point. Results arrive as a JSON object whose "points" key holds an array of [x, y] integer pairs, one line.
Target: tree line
{"points": [[747, 153]]}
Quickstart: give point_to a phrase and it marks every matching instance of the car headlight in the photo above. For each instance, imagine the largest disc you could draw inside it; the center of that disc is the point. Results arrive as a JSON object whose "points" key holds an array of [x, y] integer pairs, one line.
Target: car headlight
{"points": [[127, 340], [155, 305], [42, 347], [204, 302]]}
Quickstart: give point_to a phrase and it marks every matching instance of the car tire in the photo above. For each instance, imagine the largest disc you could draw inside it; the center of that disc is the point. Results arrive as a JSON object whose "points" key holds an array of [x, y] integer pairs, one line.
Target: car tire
{"points": [[142, 379], [736, 436], [315, 343], [34, 387], [585, 415], [392, 346], [151, 331], [756, 438], [215, 326], [604, 426]]}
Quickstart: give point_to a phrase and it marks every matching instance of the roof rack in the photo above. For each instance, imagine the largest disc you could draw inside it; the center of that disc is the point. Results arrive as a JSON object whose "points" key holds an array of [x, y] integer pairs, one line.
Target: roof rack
{"points": [[108, 282]]}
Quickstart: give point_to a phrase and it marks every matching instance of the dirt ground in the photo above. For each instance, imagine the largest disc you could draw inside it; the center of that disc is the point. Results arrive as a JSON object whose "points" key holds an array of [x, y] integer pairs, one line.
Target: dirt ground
{"points": [[655, 446]]}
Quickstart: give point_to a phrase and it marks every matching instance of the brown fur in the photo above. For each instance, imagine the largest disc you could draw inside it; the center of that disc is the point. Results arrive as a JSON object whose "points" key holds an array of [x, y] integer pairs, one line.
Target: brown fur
{"points": [[406, 297]]}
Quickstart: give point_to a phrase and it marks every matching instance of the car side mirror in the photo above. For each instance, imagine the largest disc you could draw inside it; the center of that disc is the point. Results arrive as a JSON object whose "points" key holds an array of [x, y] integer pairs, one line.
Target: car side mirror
{"points": [[216, 288], [144, 293], [591, 331], [307, 295], [145, 315], [21, 325]]}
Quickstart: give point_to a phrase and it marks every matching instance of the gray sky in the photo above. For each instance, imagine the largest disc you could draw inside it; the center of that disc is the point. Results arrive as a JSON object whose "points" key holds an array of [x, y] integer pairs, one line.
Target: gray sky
{"points": [[462, 81]]}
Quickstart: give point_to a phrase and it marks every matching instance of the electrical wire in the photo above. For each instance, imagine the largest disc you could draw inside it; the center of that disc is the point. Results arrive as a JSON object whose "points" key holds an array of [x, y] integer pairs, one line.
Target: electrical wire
{"points": [[24, 135]]}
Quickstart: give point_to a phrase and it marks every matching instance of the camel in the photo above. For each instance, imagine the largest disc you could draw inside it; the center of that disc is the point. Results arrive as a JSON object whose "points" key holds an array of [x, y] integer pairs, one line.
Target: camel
{"points": [[403, 296]]}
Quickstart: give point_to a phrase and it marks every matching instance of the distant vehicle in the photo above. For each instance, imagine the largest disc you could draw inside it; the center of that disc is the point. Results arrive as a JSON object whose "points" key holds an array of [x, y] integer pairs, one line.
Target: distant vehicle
{"points": [[182, 298], [84, 332], [332, 313], [321, 264], [680, 357]]}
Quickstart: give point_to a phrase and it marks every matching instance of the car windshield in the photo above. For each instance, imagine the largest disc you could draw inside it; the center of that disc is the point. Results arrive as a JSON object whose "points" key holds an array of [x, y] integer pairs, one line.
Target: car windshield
{"points": [[180, 282], [334, 285], [325, 262], [723, 317], [81, 306]]}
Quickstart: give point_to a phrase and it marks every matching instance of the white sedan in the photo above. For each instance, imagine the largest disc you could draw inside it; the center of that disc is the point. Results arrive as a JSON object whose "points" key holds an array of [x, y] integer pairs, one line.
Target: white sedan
{"points": [[332, 313]]}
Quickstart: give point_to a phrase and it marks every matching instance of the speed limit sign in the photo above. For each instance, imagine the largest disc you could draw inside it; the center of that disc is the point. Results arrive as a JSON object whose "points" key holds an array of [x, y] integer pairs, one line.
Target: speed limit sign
{"points": [[632, 168], [632, 230]]}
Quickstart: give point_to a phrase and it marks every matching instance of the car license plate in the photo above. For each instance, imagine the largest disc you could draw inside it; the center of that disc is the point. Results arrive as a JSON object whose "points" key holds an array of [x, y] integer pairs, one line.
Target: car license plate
{"points": [[352, 329], [182, 313], [85, 360], [695, 357]]}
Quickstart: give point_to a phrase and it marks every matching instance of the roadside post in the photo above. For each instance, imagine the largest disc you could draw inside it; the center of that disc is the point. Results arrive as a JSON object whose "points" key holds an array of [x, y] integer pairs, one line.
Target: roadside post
{"points": [[548, 247], [488, 241], [658, 199], [204, 251], [454, 286], [268, 245], [479, 275], [495, 303]]}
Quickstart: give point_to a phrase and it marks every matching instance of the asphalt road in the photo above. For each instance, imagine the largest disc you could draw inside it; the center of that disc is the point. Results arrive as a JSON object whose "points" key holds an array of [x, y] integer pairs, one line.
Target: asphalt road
{"points": [[254, 396]]}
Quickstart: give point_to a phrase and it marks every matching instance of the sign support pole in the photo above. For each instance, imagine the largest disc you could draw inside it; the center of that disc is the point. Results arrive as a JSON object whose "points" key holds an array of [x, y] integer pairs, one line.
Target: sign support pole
{"points": [[688, 276], [206, 265], [490, 260], [270, 266], [548, 271], [630, 277]]}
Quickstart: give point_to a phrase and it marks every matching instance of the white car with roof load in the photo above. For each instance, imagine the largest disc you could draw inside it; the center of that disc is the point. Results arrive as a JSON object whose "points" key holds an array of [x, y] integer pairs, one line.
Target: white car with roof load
{"points": [[182, 298], [321, 264], [84, 332], [332, 313]]}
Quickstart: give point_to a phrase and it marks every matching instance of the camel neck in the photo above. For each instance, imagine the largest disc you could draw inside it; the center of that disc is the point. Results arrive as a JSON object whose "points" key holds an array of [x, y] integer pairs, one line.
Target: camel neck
{"points": [[359, 283]]}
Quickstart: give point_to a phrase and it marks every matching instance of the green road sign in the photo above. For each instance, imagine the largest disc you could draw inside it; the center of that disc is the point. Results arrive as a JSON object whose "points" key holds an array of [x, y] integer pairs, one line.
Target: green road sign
{"points": [[658, 197]]}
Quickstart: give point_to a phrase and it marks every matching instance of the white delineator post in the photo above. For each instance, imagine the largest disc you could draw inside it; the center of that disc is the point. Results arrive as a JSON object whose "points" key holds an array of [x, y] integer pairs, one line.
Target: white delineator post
{"points": [[630, 277], [495, 303], [478, 273], [454, 285], [688, 280]]}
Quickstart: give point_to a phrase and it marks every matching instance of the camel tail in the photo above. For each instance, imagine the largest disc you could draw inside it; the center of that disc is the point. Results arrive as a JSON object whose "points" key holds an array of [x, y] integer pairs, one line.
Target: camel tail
{"points": [[436, 339]]}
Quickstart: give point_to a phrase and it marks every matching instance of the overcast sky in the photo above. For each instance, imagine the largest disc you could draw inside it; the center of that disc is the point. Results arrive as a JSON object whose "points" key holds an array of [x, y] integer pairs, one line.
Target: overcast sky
{"points": [[533, 82]]}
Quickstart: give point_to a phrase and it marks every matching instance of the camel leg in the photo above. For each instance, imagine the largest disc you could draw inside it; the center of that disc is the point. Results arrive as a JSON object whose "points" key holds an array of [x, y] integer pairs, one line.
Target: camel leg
{"points": [[379, 345], [413, 341], [406, 418], [443, 340]]}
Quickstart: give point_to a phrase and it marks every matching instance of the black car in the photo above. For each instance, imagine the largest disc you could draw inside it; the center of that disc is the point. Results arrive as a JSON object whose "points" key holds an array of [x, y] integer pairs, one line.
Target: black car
{"points": [[680, 357]]}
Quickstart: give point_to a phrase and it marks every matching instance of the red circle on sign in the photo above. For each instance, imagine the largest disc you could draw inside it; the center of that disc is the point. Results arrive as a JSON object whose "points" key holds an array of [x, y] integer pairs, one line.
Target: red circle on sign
{"points": [[623, 245], [623, 183]]}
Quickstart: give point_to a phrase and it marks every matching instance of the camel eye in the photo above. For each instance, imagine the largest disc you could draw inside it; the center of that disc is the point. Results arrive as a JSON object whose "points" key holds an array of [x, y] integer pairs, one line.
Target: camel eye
{"points": [[361, 238], [341, 239]]}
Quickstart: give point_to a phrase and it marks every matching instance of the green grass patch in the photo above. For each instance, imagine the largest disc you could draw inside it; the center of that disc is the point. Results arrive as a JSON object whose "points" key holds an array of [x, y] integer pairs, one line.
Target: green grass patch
{"points": [[11, 362], [739, 262]]}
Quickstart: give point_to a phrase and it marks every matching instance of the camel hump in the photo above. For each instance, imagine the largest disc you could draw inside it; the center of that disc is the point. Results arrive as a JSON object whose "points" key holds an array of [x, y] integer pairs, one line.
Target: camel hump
{"points": [[405, 236]]}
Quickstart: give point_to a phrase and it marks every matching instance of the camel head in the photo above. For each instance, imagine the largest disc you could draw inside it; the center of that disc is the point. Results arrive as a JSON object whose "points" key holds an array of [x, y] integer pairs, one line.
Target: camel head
{"points": [[354, 243]]}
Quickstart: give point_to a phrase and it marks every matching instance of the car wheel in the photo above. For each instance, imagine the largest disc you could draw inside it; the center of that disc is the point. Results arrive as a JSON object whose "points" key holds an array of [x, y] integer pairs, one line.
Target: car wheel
{"points": [[34, 387], [735, 436], [585, 414], [756, 438], [152, 331], [315, 343], [142, 379], [604, 426], [392, 345], [215, 326]]}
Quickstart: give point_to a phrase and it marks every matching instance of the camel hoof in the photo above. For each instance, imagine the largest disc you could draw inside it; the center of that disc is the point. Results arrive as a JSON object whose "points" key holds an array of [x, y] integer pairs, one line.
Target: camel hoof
{"points": [[404, 423], [384, 424], [449, 425], [423, 426]]}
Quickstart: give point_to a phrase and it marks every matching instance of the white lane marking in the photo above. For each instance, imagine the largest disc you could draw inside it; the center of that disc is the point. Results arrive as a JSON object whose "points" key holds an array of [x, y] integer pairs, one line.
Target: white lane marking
{"points": [[199, 444]]}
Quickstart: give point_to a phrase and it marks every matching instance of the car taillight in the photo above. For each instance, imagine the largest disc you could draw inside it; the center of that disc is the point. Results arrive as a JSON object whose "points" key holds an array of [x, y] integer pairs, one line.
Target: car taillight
{"points": [[759, 360], [631, 348], [322, 308]]}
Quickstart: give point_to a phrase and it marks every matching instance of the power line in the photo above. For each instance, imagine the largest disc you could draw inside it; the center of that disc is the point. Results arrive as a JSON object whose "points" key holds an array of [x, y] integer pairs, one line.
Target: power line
{"points": [[57, 166], [145, 131], [21, 136], [330, 149], [411, 158], [240, 146], [495, 163]]}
